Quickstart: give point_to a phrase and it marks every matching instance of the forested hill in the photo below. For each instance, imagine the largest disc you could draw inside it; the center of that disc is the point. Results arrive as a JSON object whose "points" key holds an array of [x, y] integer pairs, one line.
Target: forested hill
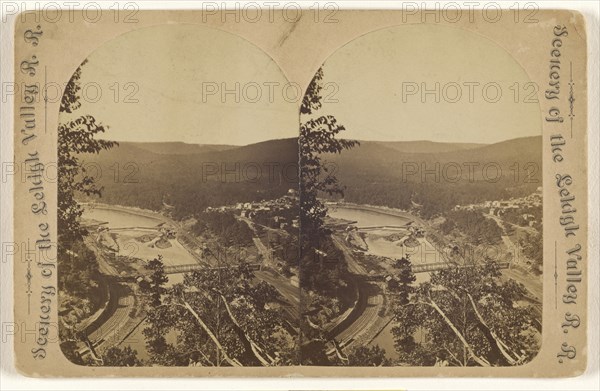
{"points": [[433, 176], [390, 174], [192, 177], [178, 148], [519, 149], [424, 146]]}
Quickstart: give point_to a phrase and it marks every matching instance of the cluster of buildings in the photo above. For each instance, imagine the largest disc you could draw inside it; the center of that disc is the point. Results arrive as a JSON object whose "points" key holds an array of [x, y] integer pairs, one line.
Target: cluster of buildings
{"points": [[497, 208], [270, 209], [512, 206]]}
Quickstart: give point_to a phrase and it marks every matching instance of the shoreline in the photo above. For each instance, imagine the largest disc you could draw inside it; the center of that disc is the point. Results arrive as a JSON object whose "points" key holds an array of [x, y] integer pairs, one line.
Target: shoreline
{"points": [[385, 210], [129, 209]]}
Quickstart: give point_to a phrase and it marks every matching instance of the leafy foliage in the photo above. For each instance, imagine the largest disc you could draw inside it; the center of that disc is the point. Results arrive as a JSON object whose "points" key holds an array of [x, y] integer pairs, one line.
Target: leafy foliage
{"points": [[466, 317], [78, 266], [121, 357], [402, 281], [474, 225], [154, 285], [220, 318], [317, 137], [322, 264], [365, 356], [225, 226], [75, 137], [532, 247]]}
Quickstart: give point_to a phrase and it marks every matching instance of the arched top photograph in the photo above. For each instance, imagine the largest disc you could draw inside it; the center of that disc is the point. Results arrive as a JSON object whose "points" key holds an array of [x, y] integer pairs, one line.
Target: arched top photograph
{"points": [[178, 203], [421, 159]]}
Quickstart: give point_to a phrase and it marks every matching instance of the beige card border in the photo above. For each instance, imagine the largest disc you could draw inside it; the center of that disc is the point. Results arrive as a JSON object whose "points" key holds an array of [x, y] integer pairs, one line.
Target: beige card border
{"points": [[292, 46]]}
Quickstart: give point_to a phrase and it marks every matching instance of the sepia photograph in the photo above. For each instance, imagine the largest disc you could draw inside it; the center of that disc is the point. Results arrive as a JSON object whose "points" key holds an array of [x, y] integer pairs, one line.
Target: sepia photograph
{"points": [[339, 194], [178, 210], [423, 205], [395, 227]]}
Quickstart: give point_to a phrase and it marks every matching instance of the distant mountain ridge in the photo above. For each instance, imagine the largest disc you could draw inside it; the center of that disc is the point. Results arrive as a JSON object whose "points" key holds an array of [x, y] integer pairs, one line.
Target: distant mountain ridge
{"points": [[519, 149], [177, 148], [378, 174], [192, 177], [409, 147], [381, 158], [426, 146]]}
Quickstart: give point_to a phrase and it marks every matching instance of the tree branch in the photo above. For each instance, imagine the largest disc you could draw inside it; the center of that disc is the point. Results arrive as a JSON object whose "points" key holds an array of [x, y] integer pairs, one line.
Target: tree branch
{"points": [[479, 360], [502, 347], [460, 364], [253, 346], [231, 361]]}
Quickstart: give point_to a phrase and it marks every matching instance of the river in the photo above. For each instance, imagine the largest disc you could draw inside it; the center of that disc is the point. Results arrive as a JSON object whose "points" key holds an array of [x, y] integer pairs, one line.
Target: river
{"points": [[119, 217], [376, 239], [129, 225], [366, 218]]}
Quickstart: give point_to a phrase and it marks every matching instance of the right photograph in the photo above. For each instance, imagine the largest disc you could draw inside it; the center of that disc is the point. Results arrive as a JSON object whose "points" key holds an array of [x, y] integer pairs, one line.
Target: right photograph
{"points": [[421, 204]]}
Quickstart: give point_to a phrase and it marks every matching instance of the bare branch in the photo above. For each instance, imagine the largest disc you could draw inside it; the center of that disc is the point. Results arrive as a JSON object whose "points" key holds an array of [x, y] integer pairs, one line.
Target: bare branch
{"points": [[479, 360], [501, 345], [256, 350], [231, 361], [460, 364]]}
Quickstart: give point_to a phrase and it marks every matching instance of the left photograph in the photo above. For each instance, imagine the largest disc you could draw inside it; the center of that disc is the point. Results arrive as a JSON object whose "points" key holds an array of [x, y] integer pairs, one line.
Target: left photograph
{"points": [[178, 204]]}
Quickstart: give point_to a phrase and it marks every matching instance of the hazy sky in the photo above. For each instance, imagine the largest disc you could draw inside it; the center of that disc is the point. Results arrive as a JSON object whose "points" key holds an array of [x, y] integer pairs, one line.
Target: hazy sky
{"points": [[171, 69], [372, 71], [168, 67]]}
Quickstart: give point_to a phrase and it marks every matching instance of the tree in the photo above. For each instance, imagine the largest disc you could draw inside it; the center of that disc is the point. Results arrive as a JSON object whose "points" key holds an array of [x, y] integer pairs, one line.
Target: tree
{"points": [[121, 357], [317, 137], [403, 280], [364, 356], [222, 318], [532, 247], [77, 265], [318, 265], [466, 316], [75, 137], [154, 286]]}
